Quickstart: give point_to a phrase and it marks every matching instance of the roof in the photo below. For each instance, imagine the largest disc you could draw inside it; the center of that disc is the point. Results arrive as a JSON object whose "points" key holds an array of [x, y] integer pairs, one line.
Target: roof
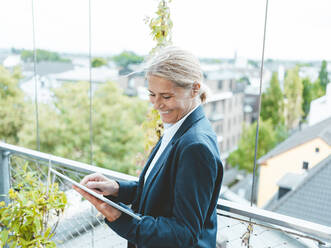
{"points": [[222, 75], [230, 175], [244, 187], [311, 200], [290, 180], [99, 74], [320, 130], [48, 67], [231, 230], [219, 96]]}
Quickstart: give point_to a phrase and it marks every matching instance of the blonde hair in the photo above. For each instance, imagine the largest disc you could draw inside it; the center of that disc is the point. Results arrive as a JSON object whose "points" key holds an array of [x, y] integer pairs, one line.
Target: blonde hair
{"points": [[179, 66]]}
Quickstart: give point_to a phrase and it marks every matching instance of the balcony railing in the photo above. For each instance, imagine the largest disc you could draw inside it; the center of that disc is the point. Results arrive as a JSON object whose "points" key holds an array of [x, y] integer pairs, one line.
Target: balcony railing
{"points": [[238, 225]]}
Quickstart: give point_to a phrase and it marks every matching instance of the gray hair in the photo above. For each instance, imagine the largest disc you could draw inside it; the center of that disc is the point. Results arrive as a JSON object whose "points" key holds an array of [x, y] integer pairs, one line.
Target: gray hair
{"points": [[178, 66]]}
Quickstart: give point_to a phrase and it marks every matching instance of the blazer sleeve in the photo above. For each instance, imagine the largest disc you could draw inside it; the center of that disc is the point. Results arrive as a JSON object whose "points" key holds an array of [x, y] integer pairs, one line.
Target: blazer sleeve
{"points": [[127, 192], [193, 191]]}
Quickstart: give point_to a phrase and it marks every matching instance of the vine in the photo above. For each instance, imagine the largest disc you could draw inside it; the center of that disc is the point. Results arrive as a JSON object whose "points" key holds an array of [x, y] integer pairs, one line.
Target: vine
{"points": [[161, 29]]}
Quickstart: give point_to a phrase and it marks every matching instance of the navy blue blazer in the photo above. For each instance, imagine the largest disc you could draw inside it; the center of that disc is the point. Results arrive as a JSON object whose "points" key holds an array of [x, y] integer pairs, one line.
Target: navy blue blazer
{"points": [[178, 201]]}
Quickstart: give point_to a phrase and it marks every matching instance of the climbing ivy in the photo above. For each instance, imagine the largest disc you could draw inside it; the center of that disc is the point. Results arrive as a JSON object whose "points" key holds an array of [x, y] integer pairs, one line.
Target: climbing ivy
{"points": [[161, 25], [161, 28]]}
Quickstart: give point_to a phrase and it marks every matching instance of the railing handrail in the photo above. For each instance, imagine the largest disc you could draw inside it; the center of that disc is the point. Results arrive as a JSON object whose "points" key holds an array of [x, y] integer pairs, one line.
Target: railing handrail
{"points": [[313, 229], [71, 164], [280, 220]]}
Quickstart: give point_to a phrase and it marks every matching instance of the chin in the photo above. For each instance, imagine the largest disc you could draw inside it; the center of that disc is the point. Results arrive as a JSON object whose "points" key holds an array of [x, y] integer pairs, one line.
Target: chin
{"points": [[167, 121]]}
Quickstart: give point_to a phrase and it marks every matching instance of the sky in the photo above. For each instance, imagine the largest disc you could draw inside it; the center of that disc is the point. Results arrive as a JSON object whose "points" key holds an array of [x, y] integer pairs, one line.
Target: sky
{"points": [[296, 29]]}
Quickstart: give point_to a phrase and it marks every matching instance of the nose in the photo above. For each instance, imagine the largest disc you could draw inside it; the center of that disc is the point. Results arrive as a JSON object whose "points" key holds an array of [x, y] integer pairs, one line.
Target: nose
{"points": [[158, 104]]}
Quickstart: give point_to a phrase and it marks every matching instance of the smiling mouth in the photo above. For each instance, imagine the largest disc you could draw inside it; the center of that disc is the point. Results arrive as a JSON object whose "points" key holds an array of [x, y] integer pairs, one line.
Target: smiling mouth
{"points": [[164, 112]]}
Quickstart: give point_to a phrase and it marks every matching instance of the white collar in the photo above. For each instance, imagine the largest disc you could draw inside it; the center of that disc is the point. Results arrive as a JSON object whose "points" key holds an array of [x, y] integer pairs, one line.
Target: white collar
{"points": [[171, 128]]}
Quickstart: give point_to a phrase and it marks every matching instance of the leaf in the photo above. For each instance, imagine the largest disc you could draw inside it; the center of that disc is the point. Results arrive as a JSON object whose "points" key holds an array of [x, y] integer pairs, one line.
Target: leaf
{"points": [[4, 236]]}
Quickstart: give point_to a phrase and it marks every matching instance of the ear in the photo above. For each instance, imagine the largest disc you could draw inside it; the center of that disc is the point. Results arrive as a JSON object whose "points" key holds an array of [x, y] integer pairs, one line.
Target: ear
{"points": [[196, 89]]}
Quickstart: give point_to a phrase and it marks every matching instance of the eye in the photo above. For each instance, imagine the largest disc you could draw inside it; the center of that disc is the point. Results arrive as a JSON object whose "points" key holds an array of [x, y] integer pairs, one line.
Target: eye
{"points": [[151, 94], [166, 97]]}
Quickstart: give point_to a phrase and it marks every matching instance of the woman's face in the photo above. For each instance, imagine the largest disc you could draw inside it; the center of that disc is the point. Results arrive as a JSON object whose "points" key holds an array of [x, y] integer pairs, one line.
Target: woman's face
{"points": [[172, 102]]}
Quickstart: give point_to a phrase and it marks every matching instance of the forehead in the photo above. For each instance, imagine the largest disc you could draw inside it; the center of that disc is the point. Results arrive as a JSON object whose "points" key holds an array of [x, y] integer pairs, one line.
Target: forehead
{"points": [[161, 85]]}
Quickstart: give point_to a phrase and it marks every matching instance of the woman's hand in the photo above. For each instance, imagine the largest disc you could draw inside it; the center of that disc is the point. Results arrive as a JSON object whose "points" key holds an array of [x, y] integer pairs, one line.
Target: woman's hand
{"points": [[106, 210], [101, 184]]}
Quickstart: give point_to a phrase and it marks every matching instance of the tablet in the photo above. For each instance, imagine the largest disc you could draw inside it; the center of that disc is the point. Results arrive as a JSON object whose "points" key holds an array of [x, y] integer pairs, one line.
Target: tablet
{"points": [[99, 196]]}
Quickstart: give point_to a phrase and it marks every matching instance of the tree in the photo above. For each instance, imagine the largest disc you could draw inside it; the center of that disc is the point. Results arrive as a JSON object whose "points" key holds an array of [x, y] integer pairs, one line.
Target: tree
{"points": [[272, 103], [307, 95], [42, 55], [125, 58], [317, 90], [243, 157], [98, 62], [117, 131], [293, 88], [12, 105], [323, 75]]}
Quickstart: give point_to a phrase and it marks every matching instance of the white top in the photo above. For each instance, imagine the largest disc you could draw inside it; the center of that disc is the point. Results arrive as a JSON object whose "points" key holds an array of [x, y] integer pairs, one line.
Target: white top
{"points": [[169, 132]]}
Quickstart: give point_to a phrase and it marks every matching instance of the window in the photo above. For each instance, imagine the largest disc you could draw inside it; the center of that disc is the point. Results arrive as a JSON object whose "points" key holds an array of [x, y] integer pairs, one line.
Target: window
{"points": [[232, 84], [220, 84], [213, 107], [228, 144], [305, 165], [219, 128], [317, 149]]}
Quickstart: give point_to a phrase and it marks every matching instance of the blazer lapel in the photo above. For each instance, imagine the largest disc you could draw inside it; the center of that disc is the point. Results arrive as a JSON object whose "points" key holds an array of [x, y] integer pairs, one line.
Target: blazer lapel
{"points": [[150, 158], [142, 174], [190, 120], [195, 116], [151, 177]]}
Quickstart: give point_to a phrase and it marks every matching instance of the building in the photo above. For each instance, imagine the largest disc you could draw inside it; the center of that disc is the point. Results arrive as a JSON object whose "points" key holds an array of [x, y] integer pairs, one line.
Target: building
{"points": [[308, 195], [301, 151], [224, 108], [320, 108]]}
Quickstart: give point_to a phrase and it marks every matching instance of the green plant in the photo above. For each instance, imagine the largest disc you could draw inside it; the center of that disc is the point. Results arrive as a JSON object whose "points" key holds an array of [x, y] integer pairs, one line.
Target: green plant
{"points": [[31, 217], [125, 58], [161, 27], [42, 55], [98, 62]]}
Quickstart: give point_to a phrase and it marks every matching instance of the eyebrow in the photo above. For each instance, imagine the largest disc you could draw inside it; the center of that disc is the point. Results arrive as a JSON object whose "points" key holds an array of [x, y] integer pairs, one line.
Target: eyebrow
{"points": [[162, 93]]}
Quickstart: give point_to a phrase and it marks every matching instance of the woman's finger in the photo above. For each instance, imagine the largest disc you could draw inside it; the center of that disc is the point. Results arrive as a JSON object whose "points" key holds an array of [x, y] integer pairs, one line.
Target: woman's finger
{"points": [[93, 177], [106, 210], [87, 196]]}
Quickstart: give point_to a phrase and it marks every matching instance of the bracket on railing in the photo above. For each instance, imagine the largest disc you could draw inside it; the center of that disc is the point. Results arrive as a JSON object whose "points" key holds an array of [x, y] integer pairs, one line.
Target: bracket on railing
{"points": [[4, 176], [328, 245]]}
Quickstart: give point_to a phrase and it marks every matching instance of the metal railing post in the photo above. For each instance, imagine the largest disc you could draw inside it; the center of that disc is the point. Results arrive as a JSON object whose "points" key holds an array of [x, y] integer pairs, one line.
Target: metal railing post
{"points": [[4, 176]]}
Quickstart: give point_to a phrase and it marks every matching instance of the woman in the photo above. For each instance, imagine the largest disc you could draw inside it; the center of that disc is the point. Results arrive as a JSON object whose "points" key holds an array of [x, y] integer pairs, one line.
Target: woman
{"points": [[177, 191]]}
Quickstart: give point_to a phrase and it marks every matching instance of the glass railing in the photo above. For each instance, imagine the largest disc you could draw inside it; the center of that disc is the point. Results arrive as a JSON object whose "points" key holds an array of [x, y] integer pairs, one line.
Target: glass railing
{"points": [[239, 225]]}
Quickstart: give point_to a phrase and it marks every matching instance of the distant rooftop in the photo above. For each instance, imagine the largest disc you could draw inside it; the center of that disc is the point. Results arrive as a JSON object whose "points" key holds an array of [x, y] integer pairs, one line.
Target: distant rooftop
{"points": [[320, 130], [45, 67], [320, 108], [290, 180], [311, 200]]}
